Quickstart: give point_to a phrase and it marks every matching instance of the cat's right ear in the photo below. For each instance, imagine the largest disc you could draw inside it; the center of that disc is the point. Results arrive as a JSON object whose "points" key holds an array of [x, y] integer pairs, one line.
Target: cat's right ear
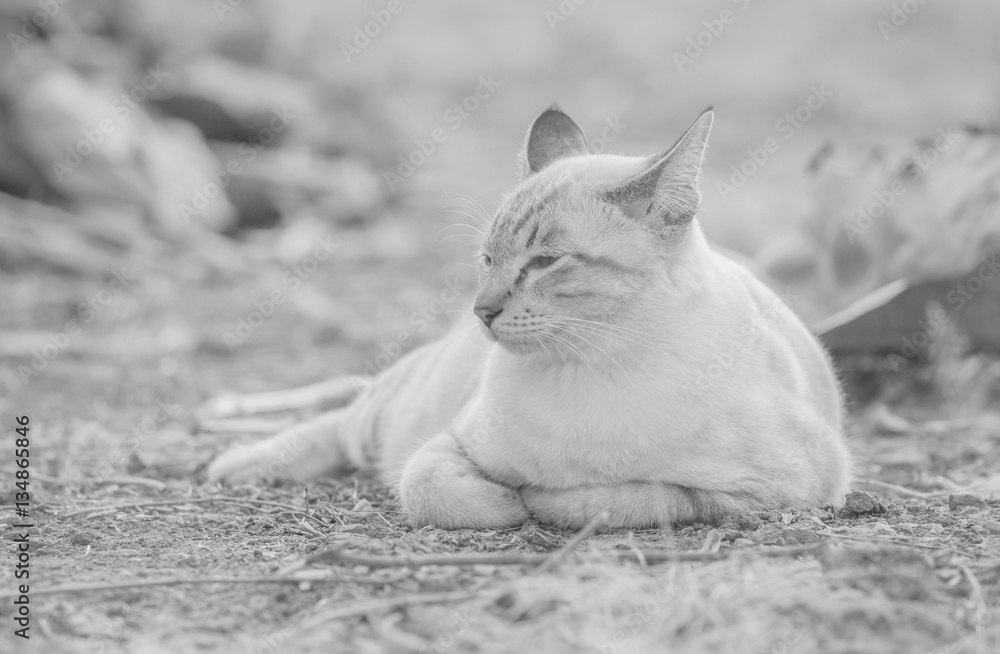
{"points": [[552, 136]]}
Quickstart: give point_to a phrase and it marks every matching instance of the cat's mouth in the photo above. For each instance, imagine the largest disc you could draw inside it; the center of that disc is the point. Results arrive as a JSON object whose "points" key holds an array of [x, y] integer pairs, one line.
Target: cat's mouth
{"points": [[515, 343]]}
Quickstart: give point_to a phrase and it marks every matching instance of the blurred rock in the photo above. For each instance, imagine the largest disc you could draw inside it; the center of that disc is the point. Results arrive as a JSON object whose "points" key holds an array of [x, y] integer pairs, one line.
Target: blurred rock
{"points": [[928, 214], [189, 188], [958, 501], [95, 145], [909, 315], [231, 101], [293, 182], [883, 421], [86, 143]]}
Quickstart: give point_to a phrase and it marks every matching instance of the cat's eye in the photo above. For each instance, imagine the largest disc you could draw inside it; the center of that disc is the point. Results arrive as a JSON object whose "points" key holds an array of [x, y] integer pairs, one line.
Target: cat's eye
{"points": [[488, 260], [543, 261]]}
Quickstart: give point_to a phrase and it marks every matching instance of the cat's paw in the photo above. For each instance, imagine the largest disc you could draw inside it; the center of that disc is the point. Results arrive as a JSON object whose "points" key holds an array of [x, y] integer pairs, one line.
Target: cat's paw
{"points": [[570, 508], [441, 487]]}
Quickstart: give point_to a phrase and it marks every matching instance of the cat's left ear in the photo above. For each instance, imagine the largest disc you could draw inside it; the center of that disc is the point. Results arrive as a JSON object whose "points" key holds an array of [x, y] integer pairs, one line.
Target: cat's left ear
{"points": [[666, 189], [552, 136]]}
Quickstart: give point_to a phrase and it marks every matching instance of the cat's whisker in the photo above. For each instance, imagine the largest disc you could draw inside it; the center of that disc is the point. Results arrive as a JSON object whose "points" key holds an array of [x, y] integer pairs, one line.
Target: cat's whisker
{"points": [[477, 237], [620, 328], [437, 241], [622, 343], [627, 350], [548, 355], [600, 330], [609, 333], [476, 205], [474, 242], [474, 228], [601, 350], [580, 353], [464, 211]]}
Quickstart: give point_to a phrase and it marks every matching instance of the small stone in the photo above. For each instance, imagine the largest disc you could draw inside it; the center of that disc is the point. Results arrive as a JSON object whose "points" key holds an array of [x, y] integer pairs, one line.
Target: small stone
{"points": [[868, 529], [354, 528], [799, 536], [748, 521], [81, 538], [862, 503], [958, 500], [189, 561]]}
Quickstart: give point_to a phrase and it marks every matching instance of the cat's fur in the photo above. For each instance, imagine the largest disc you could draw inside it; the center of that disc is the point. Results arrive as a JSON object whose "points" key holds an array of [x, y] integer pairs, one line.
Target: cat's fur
{"points": [[629, 368]]}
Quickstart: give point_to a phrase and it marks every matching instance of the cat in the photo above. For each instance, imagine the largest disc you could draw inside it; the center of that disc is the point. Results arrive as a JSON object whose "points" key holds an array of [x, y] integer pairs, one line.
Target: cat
{"points": [[628, 369]]}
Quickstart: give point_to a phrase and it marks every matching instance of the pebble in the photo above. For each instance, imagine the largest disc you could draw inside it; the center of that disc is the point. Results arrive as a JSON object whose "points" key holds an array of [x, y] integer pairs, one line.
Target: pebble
{"points": [[958, 500], [861, 503]]}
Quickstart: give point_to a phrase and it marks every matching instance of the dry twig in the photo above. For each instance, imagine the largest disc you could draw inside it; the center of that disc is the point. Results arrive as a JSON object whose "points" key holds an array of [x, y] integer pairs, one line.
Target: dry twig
{"points": [[362, 608], [902, 490], [338, 555], [599, 521]]}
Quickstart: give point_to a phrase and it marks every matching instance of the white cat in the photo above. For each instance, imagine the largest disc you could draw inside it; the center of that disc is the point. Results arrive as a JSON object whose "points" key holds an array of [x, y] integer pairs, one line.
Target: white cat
{"points": [[627, 368]]}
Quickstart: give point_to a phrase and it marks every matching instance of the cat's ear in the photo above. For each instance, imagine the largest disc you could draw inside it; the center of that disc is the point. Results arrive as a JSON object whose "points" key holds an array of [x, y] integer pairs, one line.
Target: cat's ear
{"points": [[666, 189], [552, 136]]}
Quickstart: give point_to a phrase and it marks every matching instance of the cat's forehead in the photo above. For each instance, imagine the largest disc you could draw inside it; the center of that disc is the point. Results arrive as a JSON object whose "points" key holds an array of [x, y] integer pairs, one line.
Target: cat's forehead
{"points": [[566, 183], [529, 210], [539, 205]]}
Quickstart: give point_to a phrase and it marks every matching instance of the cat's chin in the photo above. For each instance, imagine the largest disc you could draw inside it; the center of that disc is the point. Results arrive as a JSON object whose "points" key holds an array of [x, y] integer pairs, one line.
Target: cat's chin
{"points": [[522, 347], [510, 343], [518, 347]]}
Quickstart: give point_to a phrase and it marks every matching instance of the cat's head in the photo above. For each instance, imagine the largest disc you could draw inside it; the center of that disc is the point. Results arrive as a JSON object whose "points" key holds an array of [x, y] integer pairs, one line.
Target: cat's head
{"points": [[582, 236]]}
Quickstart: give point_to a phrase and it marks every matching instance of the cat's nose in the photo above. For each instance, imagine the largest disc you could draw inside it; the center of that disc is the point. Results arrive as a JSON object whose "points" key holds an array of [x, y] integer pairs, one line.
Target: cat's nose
{"points": [[487, 313]]}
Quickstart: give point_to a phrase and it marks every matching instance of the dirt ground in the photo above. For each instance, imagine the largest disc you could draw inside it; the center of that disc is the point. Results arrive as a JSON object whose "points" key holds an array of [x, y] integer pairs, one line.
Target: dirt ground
{"points": [[117, 459], [909, 573]]}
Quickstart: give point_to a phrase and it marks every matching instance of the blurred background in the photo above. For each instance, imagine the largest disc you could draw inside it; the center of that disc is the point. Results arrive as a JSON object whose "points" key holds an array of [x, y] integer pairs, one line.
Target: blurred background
{"points": [[209, 196], [243, 195]]}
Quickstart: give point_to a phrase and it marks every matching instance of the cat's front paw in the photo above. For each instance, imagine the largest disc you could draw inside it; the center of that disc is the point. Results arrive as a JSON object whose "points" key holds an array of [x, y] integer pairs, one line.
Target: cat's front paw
{"points": [[441, 487], [570, 508]]}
